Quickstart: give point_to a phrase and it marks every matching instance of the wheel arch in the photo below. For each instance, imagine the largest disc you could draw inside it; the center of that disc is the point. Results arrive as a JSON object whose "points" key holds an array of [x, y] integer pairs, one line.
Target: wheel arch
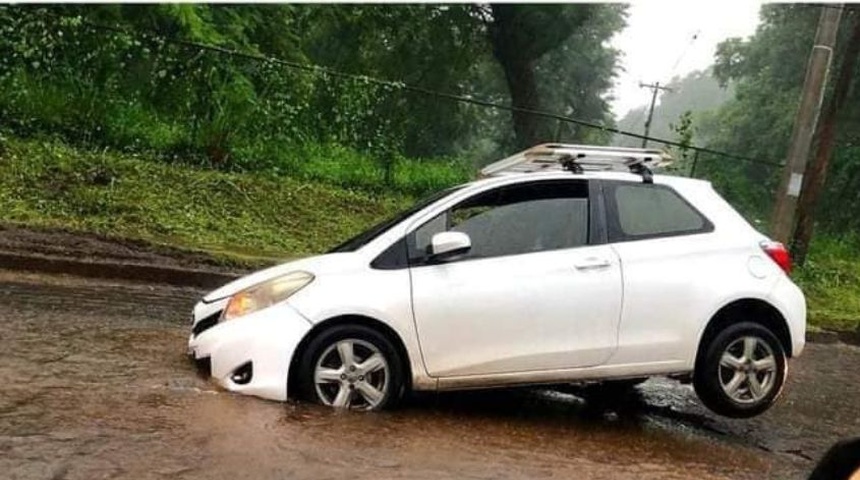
{"points": [[753, 310], [369, 322]]}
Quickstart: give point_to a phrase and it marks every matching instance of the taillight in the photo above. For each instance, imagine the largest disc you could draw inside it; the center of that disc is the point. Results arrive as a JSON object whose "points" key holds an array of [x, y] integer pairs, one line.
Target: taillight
{"points": [[779, 254]]}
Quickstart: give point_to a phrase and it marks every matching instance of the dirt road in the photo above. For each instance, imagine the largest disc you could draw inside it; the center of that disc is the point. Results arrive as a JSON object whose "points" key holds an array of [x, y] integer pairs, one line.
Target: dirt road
{"points": [[94, 383]]}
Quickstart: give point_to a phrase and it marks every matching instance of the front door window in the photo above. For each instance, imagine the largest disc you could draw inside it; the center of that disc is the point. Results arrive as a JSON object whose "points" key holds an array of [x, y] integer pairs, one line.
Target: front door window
{"points": [[514, 220]]}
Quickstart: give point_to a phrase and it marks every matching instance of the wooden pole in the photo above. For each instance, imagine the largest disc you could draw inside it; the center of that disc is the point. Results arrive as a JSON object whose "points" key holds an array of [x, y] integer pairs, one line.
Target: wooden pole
{"points": [[817, 70], [816, 171], [654, 89]]}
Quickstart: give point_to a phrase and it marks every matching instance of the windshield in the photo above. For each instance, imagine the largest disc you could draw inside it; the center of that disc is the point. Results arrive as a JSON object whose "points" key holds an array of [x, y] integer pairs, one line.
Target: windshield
{"points": [[368, 235]]}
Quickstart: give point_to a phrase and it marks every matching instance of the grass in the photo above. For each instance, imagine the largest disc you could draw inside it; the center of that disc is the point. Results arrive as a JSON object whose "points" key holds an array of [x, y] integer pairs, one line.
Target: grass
{"points": [[45, 183], [831, 281], [345, 167], [32, 107], [243, 216]]}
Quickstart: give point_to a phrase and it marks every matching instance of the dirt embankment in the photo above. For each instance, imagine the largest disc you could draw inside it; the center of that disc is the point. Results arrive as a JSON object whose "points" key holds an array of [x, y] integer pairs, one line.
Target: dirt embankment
{"points": [[88, 247]]}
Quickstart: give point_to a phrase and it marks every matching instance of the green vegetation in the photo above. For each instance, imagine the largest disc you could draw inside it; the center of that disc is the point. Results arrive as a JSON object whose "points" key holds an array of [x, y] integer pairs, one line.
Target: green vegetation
{"points": [[46, 183], [129, 132], [831, 281], [767, 72], [134, 87], [239, 215]]}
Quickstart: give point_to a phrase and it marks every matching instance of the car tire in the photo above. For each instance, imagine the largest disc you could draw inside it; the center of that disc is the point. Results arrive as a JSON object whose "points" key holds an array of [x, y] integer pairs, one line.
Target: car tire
{"points": [[372, 379], [741, 371]]}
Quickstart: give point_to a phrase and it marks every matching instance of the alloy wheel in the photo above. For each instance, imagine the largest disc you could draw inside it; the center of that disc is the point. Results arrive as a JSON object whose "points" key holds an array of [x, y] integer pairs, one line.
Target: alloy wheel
{"points": [[747, 370], [352, 373]]}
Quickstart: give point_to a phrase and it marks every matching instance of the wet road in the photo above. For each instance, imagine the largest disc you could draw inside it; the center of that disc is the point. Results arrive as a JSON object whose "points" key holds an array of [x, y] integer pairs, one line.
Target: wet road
{"points": [[94, 384]]}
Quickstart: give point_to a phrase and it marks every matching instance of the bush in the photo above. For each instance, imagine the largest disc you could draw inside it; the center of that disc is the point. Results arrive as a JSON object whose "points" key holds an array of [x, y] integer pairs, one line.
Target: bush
{"points": [[831, 281], [139, 94]]}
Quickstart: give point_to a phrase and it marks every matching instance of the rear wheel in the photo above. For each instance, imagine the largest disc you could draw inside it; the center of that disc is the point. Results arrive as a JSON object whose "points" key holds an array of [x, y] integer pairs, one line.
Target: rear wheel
{"points": [[741, 371], [354, 367]]}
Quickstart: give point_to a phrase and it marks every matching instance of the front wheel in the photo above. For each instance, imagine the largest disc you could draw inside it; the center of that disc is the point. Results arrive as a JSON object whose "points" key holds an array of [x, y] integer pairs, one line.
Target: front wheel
{"points": [[353, 367], [741, 371]]}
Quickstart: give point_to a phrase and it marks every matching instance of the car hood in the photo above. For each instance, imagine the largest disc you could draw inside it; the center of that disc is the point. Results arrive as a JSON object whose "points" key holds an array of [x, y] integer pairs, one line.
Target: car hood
{"points": [[317, 265]]}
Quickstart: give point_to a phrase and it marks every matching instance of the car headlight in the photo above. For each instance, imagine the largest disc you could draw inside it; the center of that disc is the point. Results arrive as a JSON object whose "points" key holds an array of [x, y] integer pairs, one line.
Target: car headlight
{"points": [[265, 294]]}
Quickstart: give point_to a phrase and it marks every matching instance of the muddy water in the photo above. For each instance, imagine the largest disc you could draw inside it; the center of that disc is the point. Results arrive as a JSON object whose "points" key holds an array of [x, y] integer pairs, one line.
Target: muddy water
{"points": [[94, 384]]}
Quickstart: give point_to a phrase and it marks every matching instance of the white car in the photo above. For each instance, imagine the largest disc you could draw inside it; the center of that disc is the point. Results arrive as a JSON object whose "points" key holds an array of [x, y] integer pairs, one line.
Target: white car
{"points": [[553, 269]]}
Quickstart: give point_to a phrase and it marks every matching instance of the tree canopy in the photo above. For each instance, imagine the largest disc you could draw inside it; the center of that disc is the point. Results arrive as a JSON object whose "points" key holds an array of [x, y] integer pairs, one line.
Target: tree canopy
{"points": [[135, 85], [767, 70]]}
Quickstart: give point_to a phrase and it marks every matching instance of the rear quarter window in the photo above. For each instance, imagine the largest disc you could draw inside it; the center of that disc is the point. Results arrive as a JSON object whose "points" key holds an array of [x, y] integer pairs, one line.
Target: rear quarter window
{"points": [[639, 211]]}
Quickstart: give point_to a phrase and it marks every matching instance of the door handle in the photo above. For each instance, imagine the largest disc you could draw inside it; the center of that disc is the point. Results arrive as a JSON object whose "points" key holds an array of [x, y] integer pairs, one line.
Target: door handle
{"points": [[591, 263]]}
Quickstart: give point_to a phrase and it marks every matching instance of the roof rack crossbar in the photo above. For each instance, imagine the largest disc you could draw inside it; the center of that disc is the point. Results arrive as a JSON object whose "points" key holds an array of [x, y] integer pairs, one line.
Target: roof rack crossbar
{"points": [[577, 158]]}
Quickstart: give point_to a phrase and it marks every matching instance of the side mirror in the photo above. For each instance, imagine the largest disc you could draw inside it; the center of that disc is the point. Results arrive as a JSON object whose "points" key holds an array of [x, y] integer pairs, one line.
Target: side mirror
{"points": [[446, 245]]}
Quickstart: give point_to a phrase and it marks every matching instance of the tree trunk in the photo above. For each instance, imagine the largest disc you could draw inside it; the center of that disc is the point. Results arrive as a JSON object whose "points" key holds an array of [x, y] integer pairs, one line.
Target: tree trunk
{"points": [[522, 86], [516, 60], [816, 172]]}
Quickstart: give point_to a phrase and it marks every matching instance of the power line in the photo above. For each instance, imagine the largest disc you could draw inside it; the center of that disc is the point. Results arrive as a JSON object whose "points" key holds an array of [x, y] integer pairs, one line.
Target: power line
{"points": [[683, 53], [407, 87]]}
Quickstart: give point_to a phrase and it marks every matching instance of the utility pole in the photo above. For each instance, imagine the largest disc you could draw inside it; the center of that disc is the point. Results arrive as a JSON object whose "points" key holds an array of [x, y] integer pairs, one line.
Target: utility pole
{"points": [[805, 122], [816, 171], [654, 89]]}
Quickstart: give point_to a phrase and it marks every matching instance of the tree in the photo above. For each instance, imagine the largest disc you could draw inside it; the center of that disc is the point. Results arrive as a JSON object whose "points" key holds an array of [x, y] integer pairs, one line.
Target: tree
{"points": [[767, 70], [434, 46], [684, 131], [132, 86], [520, 35], [574, 79]]}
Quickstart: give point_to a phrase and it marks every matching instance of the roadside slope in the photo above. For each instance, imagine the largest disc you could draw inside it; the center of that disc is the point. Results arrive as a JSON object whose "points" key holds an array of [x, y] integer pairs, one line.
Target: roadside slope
{"points": [[46, 184]]}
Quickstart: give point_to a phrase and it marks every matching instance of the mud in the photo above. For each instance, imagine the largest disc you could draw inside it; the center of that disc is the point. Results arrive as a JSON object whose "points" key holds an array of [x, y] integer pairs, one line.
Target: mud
{"points": [[94, 383], [55, 242]]}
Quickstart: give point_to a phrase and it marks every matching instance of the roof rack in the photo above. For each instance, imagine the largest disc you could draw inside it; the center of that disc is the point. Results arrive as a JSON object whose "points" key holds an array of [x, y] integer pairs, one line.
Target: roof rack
{"points": [[578, 158]]}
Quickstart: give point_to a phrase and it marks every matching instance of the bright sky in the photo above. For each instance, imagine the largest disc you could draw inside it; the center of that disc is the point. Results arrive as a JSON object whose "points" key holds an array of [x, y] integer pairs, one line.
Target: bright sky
{"points": [[660, 32]]}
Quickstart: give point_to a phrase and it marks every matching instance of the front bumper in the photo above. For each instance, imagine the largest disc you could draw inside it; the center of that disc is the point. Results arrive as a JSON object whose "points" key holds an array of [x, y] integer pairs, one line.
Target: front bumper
{"points": [[266, 339]]}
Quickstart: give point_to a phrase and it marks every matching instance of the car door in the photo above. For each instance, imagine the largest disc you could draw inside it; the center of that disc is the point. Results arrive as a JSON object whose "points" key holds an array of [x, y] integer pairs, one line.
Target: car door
{"points": [[535, 292]]}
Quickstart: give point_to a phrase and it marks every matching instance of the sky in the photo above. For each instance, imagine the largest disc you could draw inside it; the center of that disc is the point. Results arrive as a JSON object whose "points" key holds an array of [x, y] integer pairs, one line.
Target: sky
{"points": [[658, 42]]}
